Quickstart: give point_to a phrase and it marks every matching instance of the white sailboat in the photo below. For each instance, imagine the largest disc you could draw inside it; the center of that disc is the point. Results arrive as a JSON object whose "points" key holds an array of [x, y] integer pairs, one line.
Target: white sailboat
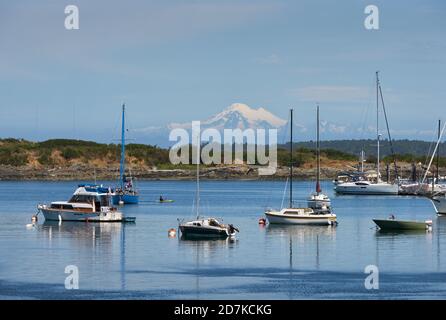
{"points": [[377, 187], [203, 227], [304, 216]]}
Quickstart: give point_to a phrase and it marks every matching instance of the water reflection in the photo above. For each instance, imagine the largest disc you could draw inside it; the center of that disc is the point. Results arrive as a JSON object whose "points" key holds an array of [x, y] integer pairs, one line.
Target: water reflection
{"points": [[301, 233], [90, 237]]}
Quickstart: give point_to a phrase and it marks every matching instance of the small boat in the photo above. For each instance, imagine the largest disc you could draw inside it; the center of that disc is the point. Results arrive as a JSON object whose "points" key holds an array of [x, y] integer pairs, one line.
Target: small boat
{"points": [[207, 228], [318, 211], [125, 193], [393, 224], [204, 228], [89, 203], [166, 201]]}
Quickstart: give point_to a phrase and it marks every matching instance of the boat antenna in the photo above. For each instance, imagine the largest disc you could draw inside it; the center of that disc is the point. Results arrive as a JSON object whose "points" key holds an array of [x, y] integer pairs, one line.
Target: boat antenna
{"points": [[318, 152], [122, 164], [198, 175], [291, 157]]}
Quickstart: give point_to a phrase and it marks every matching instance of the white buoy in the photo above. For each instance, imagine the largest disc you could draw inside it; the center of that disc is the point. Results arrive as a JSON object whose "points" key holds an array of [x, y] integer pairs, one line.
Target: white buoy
{"points": [[29, 226], [121, 203]]}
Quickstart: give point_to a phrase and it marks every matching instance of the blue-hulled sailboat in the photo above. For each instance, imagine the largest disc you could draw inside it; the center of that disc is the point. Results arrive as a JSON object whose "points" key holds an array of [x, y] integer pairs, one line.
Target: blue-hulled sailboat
{"points": [[125, 193]]}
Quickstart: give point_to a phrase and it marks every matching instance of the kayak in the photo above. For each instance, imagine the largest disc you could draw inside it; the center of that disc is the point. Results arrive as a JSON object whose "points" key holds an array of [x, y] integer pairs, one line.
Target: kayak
{"points": [[166, 201]]}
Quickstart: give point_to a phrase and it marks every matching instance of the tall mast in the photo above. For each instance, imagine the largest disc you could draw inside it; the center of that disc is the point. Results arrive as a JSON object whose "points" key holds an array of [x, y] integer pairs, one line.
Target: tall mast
{"points": [[198, 176], [438, 152], [377, 127], [122, 165], [291, 157], [318, 152]]}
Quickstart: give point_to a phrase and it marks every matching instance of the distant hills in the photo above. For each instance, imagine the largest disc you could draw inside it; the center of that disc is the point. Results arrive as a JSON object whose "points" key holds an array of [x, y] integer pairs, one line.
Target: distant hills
{"points": [[403, 147]]}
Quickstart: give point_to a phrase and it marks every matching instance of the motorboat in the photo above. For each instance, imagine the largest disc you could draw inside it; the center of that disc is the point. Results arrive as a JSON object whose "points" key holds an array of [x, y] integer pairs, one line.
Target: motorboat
{"points": [[207, 228], [394, 224], [89, 203]]}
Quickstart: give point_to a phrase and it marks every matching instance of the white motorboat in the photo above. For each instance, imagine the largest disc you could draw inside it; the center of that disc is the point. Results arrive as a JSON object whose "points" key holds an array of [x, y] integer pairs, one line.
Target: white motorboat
{"points": [[318, 211], [204, 227], [376, 187], [89, 203]]}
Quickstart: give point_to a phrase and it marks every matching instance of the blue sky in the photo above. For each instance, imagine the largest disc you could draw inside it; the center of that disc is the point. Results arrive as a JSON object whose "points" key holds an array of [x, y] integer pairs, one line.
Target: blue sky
{"points": [[177, 61]]}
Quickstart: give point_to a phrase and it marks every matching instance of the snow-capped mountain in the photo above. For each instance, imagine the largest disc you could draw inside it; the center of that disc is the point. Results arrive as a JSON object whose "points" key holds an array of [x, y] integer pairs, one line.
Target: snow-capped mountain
{"points": [[238, 116], [242, 116]]}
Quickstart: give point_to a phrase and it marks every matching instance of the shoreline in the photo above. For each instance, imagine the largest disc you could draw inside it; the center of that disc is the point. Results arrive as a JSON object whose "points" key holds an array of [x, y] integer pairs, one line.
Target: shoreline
{"points": [[222, 173]]}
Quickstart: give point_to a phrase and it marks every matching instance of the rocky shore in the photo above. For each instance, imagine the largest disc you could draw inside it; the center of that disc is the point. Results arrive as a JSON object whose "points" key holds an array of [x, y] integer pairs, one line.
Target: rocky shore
{"points": [[87, 172]]}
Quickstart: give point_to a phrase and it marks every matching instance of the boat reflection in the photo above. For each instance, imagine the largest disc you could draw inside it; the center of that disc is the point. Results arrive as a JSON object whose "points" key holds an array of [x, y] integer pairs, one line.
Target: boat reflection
{"points": [[398, 233], [86, 234], [301, 233]]}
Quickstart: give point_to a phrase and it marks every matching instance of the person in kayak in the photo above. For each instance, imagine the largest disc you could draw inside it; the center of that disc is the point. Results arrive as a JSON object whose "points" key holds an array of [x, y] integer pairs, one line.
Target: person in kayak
{"points": [[161, 199]]}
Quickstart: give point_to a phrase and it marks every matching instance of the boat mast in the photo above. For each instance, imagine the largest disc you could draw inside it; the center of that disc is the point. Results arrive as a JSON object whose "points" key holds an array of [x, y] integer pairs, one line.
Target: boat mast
{"points": [[438, 153], [318, 152], [377, 128], [198, 176], [122, 165], [291, 157]]}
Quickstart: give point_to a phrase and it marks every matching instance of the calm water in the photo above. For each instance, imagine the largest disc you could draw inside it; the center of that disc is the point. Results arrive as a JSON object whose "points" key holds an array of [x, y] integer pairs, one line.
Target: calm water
{"points": [[139, 261]]}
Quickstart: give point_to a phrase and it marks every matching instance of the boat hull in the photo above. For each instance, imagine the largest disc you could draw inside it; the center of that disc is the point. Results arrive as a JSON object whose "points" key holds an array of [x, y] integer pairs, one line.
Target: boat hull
{"points": [[320, 219], [203, 232], [66, 215], [439, 204], [371, 189], [400, 225], [126, 198]]}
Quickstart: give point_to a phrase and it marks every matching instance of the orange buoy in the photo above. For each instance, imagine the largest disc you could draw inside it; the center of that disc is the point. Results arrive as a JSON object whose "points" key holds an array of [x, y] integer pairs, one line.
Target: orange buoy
{"points": [[262, 221], [172, 233]]}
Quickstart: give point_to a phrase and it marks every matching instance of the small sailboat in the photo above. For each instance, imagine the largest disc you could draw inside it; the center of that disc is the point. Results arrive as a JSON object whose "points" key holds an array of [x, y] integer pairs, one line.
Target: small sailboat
{"points": [[393, 224], [317, 213], [204, 227], [125, 193], [89, 203], [377, 187]]}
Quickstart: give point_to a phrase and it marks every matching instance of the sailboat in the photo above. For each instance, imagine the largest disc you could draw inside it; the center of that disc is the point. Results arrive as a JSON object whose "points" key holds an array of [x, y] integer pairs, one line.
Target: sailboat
{"points": [[319, 201], [125, 193], [303, 216], [204, 227], [377, 187]]}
